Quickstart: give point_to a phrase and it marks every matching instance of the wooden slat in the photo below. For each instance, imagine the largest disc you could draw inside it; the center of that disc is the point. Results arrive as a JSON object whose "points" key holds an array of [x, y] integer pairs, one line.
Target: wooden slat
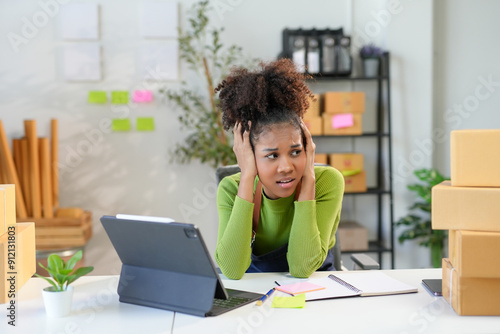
{"points": [[46, 177], [25, 176], [34, 167], [11, 172], [54, 158]]}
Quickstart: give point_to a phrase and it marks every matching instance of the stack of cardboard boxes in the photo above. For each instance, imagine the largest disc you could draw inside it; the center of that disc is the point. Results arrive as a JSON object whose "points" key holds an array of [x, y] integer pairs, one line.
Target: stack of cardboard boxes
{"points": [[336, 113], [17, 247], [468, 206]]}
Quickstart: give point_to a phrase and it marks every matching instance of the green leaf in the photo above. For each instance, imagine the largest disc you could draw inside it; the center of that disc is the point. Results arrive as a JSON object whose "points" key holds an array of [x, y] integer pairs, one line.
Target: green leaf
{"points": [[79, 273], [48, 280], [73, 260], [55, 263]]}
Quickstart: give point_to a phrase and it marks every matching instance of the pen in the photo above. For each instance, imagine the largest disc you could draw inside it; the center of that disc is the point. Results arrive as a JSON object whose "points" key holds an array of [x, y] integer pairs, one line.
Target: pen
{"points": [[267, 295]]}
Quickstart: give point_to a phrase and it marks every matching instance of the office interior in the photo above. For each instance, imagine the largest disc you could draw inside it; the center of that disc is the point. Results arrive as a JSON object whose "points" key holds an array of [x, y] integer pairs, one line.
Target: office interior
{"points": [[444, 76]]}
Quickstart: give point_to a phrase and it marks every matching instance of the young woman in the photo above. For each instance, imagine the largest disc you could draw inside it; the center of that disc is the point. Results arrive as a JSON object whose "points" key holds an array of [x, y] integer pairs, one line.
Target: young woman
{"points": [[281, 212]]}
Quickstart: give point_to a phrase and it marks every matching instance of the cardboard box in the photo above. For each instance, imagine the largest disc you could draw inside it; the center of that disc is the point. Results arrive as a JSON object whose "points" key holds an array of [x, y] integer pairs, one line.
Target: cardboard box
{"points": [[321, 158], [314, 124], [475, 253], [347, 161], [355, 183], [355, 129], [465, 208], [23, 261], [470, 295], [344, 102], [352, 236], [475, 161], [314, 109], [7, 206]]}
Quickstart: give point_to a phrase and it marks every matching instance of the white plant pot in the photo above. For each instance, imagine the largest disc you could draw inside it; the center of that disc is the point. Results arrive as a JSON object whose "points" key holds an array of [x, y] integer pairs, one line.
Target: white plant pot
{"points": [[57, 303], [370, 67]]}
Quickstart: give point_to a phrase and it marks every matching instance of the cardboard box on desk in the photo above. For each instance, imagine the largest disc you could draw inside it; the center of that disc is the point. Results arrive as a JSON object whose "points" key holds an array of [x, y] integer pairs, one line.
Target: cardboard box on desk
{"points": [[314, 124], [19, 264], [465, 208], [470, 295], [475, 253], [342, 124], [352, 236], [344, 102], [475, 161]]}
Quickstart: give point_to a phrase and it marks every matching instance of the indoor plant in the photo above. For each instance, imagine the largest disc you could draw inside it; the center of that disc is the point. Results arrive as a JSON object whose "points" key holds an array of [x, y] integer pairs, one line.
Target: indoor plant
{"points": [[419, 226], [370, 56], [201, 48], [58, 296]]}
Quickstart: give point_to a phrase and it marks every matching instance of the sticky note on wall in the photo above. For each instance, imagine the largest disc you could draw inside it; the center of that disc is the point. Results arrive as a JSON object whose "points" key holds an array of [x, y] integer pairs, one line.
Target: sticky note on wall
{"points": [[119, 97], [97, 97], [121, 125], [142, 96], [145, 124]]}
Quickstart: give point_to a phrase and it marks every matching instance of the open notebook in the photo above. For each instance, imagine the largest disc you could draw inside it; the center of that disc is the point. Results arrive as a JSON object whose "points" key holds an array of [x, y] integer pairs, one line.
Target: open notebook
{"points": [[359, 283]]}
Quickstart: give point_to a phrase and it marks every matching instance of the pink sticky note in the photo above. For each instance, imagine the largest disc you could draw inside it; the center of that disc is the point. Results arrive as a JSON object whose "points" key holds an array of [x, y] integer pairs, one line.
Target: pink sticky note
{"points": [[298, 288], [142, 96], [340, 121]]}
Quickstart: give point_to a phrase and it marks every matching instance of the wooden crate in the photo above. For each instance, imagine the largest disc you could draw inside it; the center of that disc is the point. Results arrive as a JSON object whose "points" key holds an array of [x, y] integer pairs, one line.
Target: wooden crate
{"points": [[62, 232]]}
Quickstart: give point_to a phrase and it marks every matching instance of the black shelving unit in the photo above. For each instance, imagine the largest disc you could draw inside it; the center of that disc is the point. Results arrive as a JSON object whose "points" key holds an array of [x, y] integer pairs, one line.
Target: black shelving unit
{"points": [[384, 146]]}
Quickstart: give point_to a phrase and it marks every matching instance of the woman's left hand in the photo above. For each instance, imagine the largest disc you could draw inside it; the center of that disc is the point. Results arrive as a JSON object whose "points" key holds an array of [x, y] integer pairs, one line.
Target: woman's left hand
{"points": [[307, 191]]}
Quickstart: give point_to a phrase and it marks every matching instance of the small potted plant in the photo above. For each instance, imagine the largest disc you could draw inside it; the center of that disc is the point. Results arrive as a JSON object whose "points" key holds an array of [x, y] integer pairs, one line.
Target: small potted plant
{"points": [[370, 55], [57, 297]]}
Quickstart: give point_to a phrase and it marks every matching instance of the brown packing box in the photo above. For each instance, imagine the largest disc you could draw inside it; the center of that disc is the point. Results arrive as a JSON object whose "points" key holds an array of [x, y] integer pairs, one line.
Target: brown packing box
{"points": [[314, 124], [475, 253], [344, 102], [314, 109], [352, 236], [470, 295], [355, 183], [7, 206], [474, 158], [465, 208], [356, 129], [321, 158], [347, 161], [24, 261]]}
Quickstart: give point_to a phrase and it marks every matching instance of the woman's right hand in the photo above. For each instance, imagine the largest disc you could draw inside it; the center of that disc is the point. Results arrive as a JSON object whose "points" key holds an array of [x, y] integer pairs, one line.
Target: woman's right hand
{"points": [[243, 151]]}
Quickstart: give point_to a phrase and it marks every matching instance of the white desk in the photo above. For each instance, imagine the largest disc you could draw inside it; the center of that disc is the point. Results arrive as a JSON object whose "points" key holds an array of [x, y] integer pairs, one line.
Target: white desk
{"points": [[96, 310]]}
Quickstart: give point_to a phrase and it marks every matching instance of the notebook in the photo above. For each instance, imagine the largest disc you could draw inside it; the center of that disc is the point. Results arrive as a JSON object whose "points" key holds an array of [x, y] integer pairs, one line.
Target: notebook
{"points": [[357, 283], [166, 265]]}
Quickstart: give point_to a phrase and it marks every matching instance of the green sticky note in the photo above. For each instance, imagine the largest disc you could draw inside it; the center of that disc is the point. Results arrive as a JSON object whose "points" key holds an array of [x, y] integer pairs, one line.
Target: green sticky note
{"points": [[298, 301], [97, 97], [145, 124], [120, 124], [119, 97]]}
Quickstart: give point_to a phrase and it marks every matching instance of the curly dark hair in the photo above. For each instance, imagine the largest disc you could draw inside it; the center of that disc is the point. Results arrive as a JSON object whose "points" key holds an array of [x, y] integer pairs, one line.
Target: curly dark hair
{"points": [[275, 93]]}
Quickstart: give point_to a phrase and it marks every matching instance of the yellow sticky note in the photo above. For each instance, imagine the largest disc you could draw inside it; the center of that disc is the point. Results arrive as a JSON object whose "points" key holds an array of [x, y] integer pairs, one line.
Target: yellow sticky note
{"points": [[119, 97], [121, 124], [145, 124], [98, 97], [298, 301]]}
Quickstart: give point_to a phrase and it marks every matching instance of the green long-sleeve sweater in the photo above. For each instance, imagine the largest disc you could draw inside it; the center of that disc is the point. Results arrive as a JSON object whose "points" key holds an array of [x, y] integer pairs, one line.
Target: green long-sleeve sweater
{"points": [[308, 226]]}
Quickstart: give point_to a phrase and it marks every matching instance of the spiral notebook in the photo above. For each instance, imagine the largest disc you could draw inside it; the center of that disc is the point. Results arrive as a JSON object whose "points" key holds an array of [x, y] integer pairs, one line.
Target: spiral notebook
{"points": [[359, 283]]}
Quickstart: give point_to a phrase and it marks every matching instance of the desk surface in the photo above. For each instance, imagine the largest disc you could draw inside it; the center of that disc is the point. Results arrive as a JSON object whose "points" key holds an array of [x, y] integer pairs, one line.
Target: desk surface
{"points": [[96, 309]]}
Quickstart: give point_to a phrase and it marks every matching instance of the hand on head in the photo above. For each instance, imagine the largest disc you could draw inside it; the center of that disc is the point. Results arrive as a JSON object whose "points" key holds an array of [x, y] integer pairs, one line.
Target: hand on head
{"points": [[243, 150]]}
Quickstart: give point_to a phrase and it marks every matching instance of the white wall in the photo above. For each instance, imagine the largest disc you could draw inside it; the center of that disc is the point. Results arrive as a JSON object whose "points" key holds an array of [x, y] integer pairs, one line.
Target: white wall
{"points": [[131, 173]]}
